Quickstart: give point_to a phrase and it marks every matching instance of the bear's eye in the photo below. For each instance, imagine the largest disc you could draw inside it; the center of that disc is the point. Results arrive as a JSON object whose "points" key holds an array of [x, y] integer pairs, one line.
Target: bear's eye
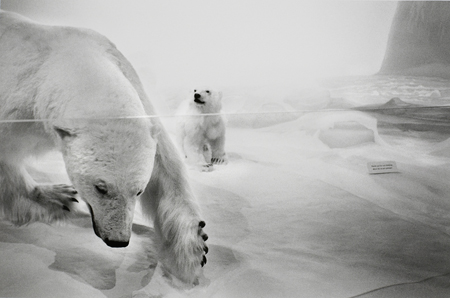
{"points": [[207, 91], [195, 90], [101, 188], [139, 193]]}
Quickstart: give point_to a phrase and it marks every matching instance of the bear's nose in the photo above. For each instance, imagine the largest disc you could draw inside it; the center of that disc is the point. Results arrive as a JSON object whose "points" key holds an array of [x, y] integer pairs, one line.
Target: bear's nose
{"points": [[197, 96], [113, 243]]}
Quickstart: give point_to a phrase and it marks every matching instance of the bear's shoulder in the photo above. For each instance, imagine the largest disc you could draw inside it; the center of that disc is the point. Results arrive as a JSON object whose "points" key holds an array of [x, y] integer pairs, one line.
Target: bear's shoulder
{"points": [[15, 27], [8, 19]]}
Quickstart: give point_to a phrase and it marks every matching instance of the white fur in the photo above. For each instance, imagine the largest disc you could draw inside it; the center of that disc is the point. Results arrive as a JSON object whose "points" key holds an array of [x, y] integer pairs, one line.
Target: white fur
{"points": [[71, 82], [201, 129]]}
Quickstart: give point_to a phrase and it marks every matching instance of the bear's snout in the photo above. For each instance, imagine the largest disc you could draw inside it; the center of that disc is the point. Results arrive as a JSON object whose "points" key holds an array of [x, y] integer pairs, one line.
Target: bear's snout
{"points": [[114, 242], [107, 239], [197, 98]]}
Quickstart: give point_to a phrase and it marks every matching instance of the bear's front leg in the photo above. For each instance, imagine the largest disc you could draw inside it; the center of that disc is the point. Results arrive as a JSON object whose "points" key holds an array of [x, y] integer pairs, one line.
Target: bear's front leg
{"points": [[182, 248], [178, 226], [23, 200]]}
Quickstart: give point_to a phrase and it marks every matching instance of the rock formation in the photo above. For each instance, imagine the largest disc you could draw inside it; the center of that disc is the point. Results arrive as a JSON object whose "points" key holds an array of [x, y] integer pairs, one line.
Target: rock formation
{"points": [[419, 40]]}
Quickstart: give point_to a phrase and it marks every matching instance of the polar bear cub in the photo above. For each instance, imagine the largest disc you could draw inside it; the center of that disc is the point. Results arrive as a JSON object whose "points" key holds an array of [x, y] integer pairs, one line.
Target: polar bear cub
{"points": [[201, 129]]}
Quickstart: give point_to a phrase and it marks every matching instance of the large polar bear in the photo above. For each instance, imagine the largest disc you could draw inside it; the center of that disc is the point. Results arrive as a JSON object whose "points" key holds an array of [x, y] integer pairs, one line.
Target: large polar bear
{"points": [[71, 89], [201, 129]]}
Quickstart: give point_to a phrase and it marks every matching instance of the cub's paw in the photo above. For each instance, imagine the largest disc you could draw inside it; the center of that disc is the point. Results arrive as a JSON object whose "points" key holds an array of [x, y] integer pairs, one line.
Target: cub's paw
{"points": [[55, 196], [219, 160], [207, 168]]}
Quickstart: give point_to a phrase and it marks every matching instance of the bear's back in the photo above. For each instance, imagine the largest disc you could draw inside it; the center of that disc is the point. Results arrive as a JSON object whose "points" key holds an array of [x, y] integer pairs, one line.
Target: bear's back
{"points": [[8, 19], [18, 30], [77, 70], [28, 52]]}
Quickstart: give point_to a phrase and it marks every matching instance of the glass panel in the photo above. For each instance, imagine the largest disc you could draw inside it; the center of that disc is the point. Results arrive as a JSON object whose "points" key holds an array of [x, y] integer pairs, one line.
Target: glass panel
{"points": [[286, 185]]}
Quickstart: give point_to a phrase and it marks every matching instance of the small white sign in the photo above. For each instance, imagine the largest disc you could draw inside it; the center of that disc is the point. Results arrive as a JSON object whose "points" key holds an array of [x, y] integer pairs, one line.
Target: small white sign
{"points": [[382, 167]]}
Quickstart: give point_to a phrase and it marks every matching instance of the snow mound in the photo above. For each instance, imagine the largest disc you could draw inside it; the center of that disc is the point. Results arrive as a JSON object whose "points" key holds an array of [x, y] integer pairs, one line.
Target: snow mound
{"points": [[262, 107], [442, 149], [346, 134], [395, 102], [308, 99], [265, 114], [341, 129]]}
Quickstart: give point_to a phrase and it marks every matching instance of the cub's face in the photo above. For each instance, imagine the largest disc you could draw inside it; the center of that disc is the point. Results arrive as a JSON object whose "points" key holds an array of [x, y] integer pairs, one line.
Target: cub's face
{"points": [[206, 100], [110, 166]]}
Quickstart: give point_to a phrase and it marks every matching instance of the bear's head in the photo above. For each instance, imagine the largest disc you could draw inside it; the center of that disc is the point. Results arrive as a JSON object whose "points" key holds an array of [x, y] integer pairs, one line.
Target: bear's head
{"points": [[110, 163], [206, 100]]}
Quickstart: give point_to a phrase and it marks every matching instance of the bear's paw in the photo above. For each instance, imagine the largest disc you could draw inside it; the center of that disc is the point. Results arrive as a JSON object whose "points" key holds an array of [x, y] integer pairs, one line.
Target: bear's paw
{"points": [[185, 257], [57, 196]]}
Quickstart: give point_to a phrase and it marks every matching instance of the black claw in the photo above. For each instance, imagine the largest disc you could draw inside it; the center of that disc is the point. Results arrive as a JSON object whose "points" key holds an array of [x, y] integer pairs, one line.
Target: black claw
{"points": [[202, 224], [204, 260], [75, 200], [205, 237], [66, 208], [206, 249], [74, 192]]}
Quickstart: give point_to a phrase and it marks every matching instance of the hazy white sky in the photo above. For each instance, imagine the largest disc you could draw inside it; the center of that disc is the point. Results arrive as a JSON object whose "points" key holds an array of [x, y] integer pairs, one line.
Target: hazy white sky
{"points": [[231, 41]]}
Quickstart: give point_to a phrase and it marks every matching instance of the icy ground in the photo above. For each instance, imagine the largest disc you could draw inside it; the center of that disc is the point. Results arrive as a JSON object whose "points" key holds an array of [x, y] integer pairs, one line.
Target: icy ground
{"points": [[294, 213]]}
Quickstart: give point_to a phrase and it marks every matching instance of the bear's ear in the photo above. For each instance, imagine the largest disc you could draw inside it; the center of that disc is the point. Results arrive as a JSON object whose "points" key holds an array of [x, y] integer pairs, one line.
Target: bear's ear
{"points": [[64, 132]]}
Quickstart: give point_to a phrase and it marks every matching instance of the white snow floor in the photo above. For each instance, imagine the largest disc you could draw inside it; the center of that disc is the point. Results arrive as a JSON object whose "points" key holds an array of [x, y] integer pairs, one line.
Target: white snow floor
{"points": [[289, 216]]}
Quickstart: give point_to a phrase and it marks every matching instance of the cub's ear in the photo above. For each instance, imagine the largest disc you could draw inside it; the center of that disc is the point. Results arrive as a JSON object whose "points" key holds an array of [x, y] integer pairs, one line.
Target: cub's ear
{"points": [[64, 132]]}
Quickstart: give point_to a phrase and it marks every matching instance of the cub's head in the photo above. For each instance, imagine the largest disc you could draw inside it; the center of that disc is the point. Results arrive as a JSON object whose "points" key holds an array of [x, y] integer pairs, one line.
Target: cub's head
{"points": [[206, 100], [110, 163]]}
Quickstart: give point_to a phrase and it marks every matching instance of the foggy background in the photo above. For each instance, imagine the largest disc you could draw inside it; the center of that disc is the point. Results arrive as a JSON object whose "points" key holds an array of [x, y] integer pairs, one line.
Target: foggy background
{"points": [[227, 43]]}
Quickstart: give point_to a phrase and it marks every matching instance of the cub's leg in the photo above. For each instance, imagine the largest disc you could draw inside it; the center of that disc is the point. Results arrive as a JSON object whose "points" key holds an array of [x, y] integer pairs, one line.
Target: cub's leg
{"points": [[218, 155], [169, 200], [207, 154], [22, 200], [198, 155]]}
